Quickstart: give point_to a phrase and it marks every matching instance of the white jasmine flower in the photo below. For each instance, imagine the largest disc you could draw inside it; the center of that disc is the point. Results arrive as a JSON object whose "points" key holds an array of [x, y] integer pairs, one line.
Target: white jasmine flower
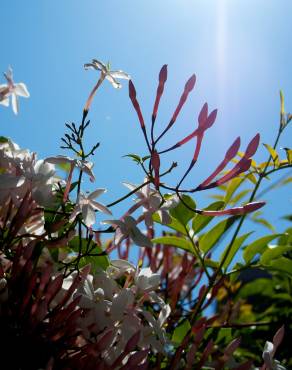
{"points": [[14, 90], [152, 202], [147, 280], [87, 206], [106, 73], [85, 166], [127, 228]]}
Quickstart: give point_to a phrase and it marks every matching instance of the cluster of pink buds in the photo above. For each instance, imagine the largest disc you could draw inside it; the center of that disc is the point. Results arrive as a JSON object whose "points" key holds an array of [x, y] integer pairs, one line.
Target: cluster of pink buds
{"points": [[205, 121]]}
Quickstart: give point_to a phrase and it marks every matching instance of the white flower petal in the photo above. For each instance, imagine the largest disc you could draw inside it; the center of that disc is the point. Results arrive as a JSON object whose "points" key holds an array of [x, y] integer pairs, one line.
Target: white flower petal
{"points": [[88, 215], [120, 74], [96, 193], [114, 82], [20, 89], [100, 207], [14, 103]]}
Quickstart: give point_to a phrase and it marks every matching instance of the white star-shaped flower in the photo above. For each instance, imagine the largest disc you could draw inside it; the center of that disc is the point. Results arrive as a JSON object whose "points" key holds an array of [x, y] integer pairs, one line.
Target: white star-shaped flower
{"points": [[87, 206], [111, 76], [14, 90]]}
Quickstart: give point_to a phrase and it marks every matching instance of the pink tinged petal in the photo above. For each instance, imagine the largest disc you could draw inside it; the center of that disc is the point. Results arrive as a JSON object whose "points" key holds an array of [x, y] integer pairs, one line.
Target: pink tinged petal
{"points": [[68, 184], [188, 88], [249, 207], [96, 193], [203, 115], [100, 207], [20, 89], [252, 146], [211, 119], [132, 342], [88, 215], [230, 154], [155, 161], [90, 66], [99, 64], [113, 81], [232, 347], [14, 103], [242, 166], [278, 337], [160, 89], [132, 95]]}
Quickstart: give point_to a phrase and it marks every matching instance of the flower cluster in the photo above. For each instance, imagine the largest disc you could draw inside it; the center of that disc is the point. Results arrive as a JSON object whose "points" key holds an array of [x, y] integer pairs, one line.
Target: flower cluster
{"points": [[118, 302]]}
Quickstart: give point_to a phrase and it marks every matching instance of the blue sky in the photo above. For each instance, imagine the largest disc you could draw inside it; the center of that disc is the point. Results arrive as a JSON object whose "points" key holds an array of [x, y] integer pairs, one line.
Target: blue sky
{"points": [[240, 51]]}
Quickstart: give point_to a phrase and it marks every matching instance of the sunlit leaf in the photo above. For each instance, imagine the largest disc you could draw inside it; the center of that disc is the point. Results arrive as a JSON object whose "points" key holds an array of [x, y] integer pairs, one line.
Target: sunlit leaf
{"points": [[180, 331], [136, 158], [273, 252], [175, 241], [174, 224], [100, 260], [211, 238], [235, 247], [258, 246], [282, 264], [233, 185], [274, 155], [181, 212]]}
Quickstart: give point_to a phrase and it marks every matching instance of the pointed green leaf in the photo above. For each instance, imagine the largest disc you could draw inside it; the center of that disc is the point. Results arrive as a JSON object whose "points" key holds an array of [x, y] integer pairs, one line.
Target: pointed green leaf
{"points": [[258, 246], [273, 252], [233, 185], [282, 264], [274, 155], [180, 331], [235, 247], [136, 158], [99, 261], [181, 212], [175, 241], [212, 236], [174, 224]]}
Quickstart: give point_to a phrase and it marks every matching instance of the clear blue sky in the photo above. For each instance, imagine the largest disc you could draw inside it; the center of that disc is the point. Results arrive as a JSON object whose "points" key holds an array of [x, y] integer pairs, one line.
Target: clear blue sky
{"points": [[240, 51]]}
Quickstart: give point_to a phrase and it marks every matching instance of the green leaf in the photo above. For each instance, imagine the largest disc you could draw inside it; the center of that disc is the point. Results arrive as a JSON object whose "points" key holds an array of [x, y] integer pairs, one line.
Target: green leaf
{"points": [[289, 155], [239, 196], [251, 177], [212, 236], [174, 224], [235, 247], [3, 140], [176, 242], [258, 246], [96, 262], [200, 221], [180, 332], [273, 252], [274, 155], [182, 213], [283, 264], [233, 185], [136, 158]]}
